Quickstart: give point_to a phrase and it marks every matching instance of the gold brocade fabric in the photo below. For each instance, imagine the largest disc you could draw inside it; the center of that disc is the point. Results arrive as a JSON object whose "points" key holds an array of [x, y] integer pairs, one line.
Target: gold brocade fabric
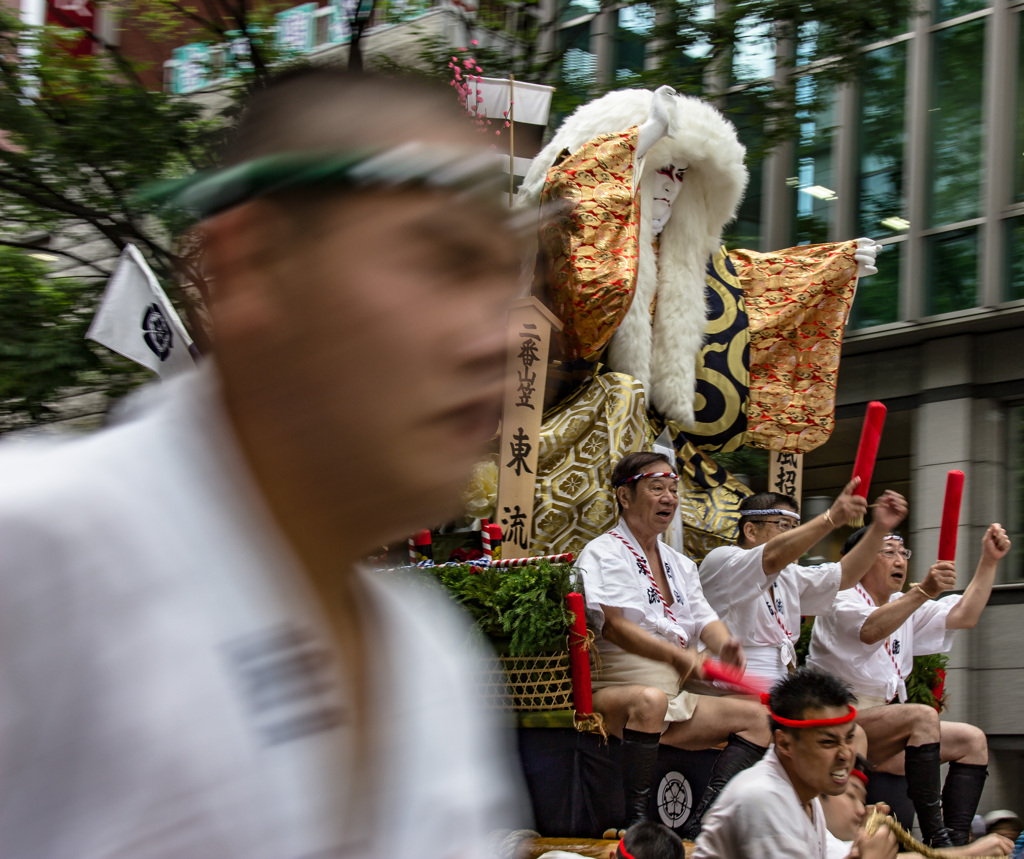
{"points": [[709, 496], [592, 248], [579, 446], [797, 301]]}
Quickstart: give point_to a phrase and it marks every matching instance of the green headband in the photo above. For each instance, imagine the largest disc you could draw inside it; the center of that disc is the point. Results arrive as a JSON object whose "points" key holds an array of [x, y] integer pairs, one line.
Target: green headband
{"points": [[209, 192]]}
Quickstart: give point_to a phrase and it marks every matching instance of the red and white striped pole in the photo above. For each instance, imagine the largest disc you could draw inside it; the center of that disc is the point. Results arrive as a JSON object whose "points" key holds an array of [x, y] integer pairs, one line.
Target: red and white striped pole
{"points": [[420, 548], [564, 558]]}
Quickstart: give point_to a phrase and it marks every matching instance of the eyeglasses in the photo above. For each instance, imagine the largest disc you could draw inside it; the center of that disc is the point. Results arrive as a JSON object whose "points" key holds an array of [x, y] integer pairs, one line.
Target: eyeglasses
{"points": [[781, 524], [890, 554]]}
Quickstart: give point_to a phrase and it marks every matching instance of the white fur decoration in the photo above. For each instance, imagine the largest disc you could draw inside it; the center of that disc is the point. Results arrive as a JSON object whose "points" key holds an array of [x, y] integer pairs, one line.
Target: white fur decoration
{"points": [[663, 355]]}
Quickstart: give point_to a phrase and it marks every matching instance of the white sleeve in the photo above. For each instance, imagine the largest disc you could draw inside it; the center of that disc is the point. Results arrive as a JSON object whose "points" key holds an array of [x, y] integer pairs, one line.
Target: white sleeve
{"points": [[730, 574], [836, 849], [455, 755], [930, 633], [763, 830], [818, 587], [835, 638], [610, 579], [700, 609]]}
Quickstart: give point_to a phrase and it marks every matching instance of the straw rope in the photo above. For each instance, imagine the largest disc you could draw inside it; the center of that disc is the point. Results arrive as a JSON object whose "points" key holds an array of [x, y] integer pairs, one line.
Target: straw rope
{"points": [[906, 840], [591, 723], [588, 643]]}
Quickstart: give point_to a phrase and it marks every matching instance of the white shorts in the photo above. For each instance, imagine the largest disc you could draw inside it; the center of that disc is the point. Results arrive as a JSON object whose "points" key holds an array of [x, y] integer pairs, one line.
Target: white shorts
{"points": [[619, 668]]}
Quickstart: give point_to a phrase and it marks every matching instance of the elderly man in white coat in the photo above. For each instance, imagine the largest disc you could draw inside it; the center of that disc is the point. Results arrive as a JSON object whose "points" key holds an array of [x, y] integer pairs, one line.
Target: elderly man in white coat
{"points": [[646, 606]]}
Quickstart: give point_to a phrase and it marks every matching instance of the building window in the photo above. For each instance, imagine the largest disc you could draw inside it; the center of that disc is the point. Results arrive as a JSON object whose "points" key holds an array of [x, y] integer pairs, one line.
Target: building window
{"points": [[634, 31], [1018, 151], [753, 55], [878, 296], [1014, 245], [948, 9], [1014, 566], [815, 180], [881, 207], [747, 230], [955, 132], [952, 271], [579, 63]]}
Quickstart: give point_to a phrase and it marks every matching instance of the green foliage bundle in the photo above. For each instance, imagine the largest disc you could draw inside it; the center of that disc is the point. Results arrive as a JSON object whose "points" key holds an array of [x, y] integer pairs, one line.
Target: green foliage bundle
{"points": [[924, 678], [520, 610]]}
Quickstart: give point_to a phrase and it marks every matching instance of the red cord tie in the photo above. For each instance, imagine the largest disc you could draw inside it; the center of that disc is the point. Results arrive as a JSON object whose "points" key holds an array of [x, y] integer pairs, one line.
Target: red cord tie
{"points": [[860, 775], [811, 723], [622, 849]]}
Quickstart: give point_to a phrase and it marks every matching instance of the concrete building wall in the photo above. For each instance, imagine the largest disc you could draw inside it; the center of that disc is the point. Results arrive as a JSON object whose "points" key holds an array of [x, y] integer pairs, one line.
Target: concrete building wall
{"points": [[951, 390]]}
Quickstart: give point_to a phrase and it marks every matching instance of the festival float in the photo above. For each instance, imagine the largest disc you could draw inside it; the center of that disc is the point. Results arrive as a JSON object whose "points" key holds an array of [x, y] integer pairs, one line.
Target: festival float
{"points": [[640, 330]]}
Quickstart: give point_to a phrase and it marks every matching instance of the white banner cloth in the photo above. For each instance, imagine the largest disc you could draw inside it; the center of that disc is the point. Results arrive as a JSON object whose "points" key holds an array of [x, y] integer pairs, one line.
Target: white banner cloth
{"points": [[136, 320]]}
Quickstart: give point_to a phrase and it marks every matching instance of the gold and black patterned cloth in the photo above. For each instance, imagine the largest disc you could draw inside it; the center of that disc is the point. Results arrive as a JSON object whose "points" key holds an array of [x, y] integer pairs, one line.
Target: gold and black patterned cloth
{"points": [[765, 375], [579, 447]]}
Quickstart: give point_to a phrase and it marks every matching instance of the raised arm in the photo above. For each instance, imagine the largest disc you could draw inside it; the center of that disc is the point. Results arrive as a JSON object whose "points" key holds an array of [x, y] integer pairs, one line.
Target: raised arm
{"points": [[784, 549], [655, 126], [890, 510], [627, 635], [994, 546], [888, 618]]}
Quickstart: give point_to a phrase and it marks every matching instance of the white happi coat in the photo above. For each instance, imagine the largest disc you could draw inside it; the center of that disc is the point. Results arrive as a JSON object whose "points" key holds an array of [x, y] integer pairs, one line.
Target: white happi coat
{"points": [[758, 815], [612, 576], [169, 686], [738, 590], [877, 670]]}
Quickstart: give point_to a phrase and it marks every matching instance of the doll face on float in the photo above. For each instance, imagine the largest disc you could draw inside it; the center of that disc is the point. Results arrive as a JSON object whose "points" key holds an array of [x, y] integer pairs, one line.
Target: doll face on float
{"points": [[668, 184]]}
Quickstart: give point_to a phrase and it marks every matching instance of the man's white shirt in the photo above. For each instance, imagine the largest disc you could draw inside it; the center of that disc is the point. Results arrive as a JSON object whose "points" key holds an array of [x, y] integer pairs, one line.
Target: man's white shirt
{"points": [[878, 670], [738, 590], [758, 815], [170, 688], [613, 576]]}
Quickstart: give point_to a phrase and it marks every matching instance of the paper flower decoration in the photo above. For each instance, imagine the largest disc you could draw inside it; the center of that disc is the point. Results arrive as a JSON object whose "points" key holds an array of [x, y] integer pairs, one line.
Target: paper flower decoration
{"points": [[481, 493]]}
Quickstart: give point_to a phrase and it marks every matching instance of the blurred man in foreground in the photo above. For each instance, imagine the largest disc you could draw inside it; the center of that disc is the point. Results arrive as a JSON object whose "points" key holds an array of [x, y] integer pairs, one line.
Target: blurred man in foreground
{"points": [[191, 664]]}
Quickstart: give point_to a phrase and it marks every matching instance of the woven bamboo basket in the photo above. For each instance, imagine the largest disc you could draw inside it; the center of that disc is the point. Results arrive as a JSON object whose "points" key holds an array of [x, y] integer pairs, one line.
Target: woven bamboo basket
{"points": [[541, 681]]}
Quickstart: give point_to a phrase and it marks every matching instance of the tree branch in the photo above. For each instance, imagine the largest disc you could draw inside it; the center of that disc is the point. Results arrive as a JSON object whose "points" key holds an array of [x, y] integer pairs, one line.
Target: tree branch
{"points": [[11, 243]]}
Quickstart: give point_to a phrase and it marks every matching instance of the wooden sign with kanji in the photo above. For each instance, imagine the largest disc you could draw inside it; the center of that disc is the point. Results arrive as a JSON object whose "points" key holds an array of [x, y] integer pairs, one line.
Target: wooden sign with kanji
{"points": [[530, 326], [786, 473]]}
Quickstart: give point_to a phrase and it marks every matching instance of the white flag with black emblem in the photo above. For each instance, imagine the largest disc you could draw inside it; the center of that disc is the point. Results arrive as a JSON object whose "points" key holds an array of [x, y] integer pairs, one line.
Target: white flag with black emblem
{"points": [[136, 320]]}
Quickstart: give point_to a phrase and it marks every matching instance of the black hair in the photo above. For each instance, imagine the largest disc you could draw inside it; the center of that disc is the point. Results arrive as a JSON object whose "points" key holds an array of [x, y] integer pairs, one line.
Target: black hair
{"points": [[762, 501], [806, 689], [329, 108], [633, 464], [650, 840]]}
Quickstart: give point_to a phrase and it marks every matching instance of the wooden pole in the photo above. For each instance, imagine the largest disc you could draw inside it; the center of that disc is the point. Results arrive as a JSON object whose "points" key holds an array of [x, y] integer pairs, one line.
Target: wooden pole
{"points": [[511, 138], [529, 339]]}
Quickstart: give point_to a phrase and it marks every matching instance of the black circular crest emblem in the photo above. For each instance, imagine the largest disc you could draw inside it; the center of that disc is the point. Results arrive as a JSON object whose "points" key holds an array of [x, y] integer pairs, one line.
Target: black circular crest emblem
{"points": [[157, 331]]}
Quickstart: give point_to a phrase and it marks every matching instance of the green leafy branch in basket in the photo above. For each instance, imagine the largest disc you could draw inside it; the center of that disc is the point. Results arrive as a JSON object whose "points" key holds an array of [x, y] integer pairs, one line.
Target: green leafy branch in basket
{"points": [[520, 610], [924, 678]]}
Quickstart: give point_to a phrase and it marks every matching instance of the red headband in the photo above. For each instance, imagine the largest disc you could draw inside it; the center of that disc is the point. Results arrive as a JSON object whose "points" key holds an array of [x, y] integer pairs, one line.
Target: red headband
{"points": [[860, 775], [811, 723], [622, 849]]}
